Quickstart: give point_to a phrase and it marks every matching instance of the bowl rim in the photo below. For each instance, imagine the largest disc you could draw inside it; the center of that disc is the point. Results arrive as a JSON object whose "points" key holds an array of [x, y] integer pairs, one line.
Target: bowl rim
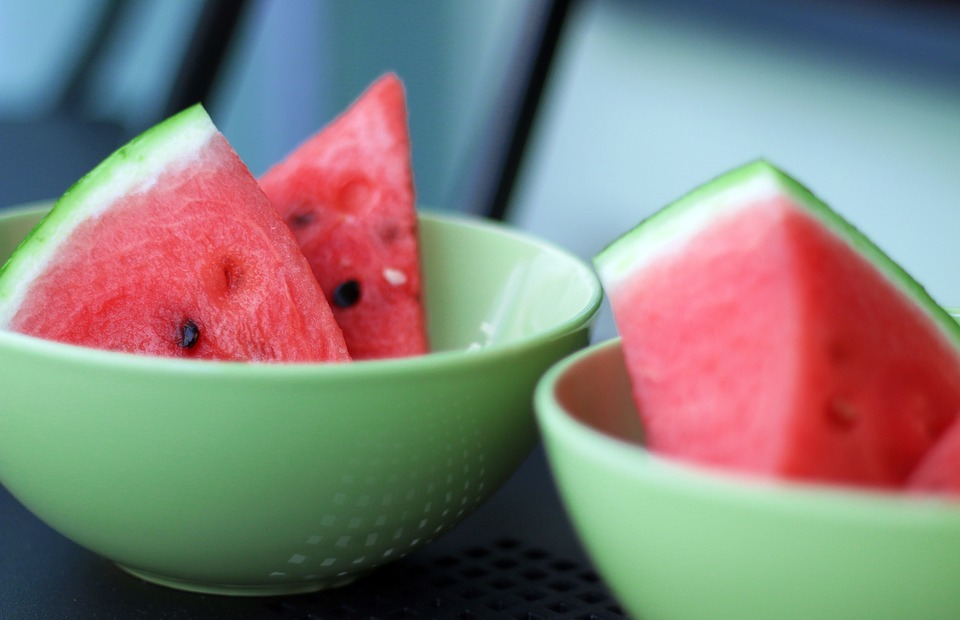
{"points": [[492, 354], [560, 427]]}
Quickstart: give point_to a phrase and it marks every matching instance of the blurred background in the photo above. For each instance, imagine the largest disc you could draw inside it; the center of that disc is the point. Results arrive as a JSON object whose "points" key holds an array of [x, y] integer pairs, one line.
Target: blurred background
{"points": [[641, 100]]}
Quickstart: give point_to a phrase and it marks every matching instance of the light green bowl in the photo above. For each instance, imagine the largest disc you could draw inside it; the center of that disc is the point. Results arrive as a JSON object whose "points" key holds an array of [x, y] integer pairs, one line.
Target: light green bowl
{"points": [[679, 542], [257, 479]]}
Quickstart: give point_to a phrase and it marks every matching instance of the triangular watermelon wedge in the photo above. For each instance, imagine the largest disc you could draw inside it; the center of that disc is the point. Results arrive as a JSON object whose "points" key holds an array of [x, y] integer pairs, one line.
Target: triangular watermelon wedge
{"points": [[348, 195], [763, 333], [938, 473], [169, 247]]}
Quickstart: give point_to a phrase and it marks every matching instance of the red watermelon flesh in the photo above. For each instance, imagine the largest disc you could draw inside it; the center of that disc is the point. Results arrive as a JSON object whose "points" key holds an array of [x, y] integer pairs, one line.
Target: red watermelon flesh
{"points": [[759, 337], [348, 195], [193, 262]]}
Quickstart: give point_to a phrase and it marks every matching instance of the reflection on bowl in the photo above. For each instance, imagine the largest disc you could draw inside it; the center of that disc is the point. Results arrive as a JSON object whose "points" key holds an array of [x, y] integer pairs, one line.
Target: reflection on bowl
{"points": [[681, 542], [275, 478]]}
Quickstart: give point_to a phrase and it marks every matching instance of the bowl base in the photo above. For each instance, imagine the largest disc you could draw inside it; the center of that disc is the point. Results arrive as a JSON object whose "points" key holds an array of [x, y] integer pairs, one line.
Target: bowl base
{"points": [[226, 589]]}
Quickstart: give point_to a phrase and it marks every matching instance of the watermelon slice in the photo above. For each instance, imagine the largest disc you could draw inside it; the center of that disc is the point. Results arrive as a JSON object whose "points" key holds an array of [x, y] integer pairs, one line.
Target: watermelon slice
{"points": [[170, 248], [763, 333], [938, 472], [348, 195]]}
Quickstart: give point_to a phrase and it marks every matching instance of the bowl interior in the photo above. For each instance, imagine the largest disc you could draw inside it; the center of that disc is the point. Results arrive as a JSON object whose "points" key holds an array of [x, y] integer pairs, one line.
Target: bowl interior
{"points": [[484, 283], [595, 390], [586, 402]]}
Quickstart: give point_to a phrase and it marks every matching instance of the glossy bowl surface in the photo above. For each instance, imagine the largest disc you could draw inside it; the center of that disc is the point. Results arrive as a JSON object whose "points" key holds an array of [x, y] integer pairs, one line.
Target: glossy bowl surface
{"points": [[680, 542], [276, 478]]}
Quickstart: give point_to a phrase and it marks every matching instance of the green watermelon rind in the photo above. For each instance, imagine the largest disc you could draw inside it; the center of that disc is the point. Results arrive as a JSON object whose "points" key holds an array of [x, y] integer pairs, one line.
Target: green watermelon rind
{"points": [[131, 168], [685, 216]]}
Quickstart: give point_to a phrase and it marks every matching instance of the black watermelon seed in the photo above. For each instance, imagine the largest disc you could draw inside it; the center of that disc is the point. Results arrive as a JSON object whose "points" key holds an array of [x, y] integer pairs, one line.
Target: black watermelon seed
{"points": [[347, 294], [189, 334], [300, 219]]}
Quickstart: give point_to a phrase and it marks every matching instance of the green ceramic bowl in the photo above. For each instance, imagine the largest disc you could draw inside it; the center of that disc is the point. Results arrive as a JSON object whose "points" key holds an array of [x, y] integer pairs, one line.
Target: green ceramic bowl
{"points": [[254, 479], [678, 542]]}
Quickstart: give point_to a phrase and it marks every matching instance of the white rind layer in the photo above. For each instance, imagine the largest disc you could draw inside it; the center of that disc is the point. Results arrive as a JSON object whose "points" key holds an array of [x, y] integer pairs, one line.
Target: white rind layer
{"points": [[672, 227], [663, 235], [133, 168]]}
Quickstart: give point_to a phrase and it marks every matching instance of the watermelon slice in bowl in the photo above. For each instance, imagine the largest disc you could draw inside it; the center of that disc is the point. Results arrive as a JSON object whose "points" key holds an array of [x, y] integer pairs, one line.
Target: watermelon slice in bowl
{"points": [[348, 195], [241, 478], [169, 247], [774, 430], [765, 334], [677, 540]]}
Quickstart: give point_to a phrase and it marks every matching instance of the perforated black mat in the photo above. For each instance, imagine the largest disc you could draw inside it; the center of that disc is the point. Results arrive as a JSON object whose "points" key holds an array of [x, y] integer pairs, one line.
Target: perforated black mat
{"points": [[505, 579]]}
